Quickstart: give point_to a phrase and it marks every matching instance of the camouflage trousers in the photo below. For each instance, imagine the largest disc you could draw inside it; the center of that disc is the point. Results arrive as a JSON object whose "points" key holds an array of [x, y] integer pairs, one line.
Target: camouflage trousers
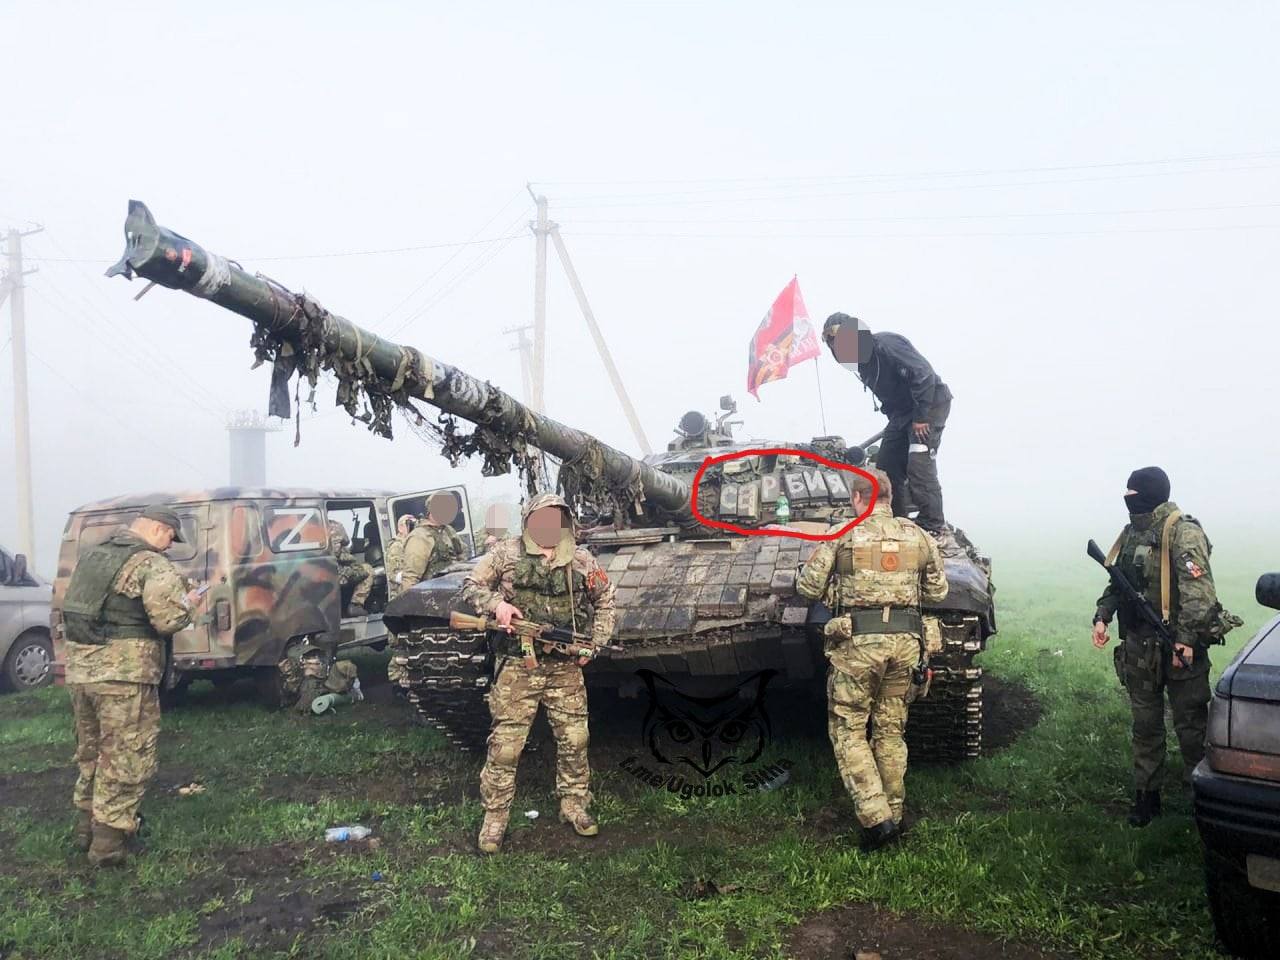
{"points": [[117, 728], [1147, 677], [869, 679], [396, 672], [361, 574], [513, 701]]}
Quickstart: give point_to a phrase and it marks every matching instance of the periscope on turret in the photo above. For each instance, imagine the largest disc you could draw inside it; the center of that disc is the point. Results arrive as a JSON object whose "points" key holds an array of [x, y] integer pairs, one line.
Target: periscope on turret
{"points": [[695, 604]]}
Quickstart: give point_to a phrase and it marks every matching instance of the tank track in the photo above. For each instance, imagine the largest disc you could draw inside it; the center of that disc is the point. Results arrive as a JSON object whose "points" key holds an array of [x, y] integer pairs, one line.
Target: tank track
{"points": [[448, 677], [947, 724]]}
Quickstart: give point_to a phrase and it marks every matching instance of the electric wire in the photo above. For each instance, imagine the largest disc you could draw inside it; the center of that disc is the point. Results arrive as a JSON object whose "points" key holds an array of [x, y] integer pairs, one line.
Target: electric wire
{"points": [[96, 407], [918, 175], [618, 200], [435, 273], [171, 369]]}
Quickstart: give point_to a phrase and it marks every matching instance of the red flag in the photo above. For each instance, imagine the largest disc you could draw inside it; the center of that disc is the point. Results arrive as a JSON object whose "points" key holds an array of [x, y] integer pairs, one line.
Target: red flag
{"points": [[784, 338]]}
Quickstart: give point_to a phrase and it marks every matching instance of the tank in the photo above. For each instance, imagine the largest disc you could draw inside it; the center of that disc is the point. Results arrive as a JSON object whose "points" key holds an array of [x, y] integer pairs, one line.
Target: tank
{"points": [[702, 606]]}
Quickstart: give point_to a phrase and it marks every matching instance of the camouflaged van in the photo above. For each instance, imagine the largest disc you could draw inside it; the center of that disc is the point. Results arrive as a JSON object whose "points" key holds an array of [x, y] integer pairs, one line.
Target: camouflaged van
{"points": [[272, 580]]}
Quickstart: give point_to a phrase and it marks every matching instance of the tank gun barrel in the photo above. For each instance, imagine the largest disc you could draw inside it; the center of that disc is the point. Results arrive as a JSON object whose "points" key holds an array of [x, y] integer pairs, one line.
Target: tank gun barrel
{"points": [[297, 327]]}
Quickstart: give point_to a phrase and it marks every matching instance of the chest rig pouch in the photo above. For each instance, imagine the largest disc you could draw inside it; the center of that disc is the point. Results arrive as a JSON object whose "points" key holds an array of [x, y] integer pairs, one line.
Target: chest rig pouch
{"points": [[1143, 557], [548, 595]]}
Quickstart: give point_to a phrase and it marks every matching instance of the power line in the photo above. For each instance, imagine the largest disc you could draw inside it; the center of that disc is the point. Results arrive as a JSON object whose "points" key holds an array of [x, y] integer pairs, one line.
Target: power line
{"points": [[924, 236], [435, 273], [475, 266], [96, 407], [923, 174], [306, 256], [172, 382], [929, 218], [657, 199], [164, 363]]}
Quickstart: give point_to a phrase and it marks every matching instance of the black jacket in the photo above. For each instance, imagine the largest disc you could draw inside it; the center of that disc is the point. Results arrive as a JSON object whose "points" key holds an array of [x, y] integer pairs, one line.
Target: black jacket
{"points": [[902, 380]]}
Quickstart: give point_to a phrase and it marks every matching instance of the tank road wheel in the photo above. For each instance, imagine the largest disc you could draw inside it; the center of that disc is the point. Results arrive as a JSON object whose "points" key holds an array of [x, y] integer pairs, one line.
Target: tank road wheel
{"points": [[449, 678], [947, 724]]}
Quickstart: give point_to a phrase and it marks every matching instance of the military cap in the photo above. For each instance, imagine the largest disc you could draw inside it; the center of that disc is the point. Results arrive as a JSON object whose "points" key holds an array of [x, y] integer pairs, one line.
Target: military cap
{"points": [[834, 322], [162, 514]]}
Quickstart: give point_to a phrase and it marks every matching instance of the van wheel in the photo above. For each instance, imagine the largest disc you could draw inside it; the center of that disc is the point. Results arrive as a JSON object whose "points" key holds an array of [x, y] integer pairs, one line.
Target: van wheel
{"points": [[1244, 916], [30, 662]]}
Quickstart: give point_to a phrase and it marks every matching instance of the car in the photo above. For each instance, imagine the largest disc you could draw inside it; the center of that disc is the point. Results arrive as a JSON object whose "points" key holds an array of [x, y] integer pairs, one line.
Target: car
{"points": [[273, 582], [1237, 792], [26, 647]]}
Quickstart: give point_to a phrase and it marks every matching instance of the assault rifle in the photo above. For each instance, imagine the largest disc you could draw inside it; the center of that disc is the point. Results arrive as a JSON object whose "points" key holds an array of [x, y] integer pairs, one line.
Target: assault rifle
{"points": [[1139, 603], [550, 638]]}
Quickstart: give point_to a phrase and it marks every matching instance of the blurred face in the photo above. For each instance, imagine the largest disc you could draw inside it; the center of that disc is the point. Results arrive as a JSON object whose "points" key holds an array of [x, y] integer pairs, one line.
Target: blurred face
{"points": [[443, 508], [844, 345], [546, 526]]}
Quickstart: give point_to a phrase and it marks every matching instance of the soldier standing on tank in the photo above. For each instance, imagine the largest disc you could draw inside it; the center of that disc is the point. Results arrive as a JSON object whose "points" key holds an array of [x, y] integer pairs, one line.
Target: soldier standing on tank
{"points": [[873, 579], [1164, 553], [545, 577], [915, 400], [350, 570], [123, 601], [433, 544]]}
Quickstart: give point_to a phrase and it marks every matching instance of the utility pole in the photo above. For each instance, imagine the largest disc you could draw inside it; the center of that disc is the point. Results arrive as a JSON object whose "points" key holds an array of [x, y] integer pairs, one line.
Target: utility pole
{"points": [[524, 347], [540, 229], [14, 290], [601, 346]]}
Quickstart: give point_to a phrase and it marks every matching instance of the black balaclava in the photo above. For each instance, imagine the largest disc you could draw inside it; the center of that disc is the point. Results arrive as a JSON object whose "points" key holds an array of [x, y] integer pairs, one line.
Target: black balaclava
{"points": [[1150, 486]]}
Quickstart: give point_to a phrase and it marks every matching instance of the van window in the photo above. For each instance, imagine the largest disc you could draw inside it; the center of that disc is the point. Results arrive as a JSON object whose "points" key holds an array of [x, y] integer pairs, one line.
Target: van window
{"points": [[292, 529], [93, 534], [179, 552]]}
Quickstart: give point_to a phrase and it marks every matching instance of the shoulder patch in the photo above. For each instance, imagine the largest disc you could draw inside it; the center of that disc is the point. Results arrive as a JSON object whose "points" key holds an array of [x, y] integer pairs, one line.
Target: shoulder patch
{"points": [[1191, 566]]}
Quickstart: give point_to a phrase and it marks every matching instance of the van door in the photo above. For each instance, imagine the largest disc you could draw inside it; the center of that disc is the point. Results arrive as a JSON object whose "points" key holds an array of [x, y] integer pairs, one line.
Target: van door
{"points": [[416, 504], [191, 558]]}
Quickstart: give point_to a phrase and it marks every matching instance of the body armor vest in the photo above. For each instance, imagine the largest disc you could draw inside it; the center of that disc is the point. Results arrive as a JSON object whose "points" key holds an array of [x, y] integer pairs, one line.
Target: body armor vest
{"points": [[1139, 560], [93, 612], [548, 595], [447, 548], [876, 570]]}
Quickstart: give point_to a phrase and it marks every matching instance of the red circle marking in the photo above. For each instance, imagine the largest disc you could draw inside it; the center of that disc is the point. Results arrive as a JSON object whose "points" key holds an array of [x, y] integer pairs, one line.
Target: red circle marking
{"points": [[784, 451]]}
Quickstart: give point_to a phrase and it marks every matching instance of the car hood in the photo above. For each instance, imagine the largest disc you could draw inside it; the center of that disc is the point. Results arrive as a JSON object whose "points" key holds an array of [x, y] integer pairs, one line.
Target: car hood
{"points": [[1255, 671]]}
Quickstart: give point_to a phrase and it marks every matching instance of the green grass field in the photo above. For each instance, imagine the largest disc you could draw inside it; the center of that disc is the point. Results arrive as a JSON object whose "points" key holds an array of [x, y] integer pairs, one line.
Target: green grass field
{"points": [[1028, 844]]}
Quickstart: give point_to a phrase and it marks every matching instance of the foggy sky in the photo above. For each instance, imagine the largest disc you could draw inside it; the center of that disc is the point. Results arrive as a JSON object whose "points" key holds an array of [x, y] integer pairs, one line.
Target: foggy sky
{"points": [[1073, 212]]}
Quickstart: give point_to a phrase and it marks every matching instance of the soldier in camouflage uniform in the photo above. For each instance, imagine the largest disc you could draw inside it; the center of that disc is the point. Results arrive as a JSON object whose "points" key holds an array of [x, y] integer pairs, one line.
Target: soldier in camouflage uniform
{"points": [[308, 675], [545, 577], [350, 570], [124, 599], [433, 544], [873, 579], [393, 563], [1165, 555]]}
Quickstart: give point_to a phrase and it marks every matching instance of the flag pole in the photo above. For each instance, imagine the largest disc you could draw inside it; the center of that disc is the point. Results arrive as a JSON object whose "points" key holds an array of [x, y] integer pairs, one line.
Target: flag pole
{"points": [[822, 407]]}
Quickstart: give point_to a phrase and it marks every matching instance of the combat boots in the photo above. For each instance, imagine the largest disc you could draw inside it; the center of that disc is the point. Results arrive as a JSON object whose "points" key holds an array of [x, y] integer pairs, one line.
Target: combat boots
{"points": [[83, 831], [881, 835], [107, 848], [492, 831], [1146, 806], [573, 812]]}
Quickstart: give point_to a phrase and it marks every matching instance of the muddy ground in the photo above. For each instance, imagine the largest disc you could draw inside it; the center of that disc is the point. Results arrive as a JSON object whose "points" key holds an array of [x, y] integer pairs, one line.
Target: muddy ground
{"points": [[260, 896]]}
